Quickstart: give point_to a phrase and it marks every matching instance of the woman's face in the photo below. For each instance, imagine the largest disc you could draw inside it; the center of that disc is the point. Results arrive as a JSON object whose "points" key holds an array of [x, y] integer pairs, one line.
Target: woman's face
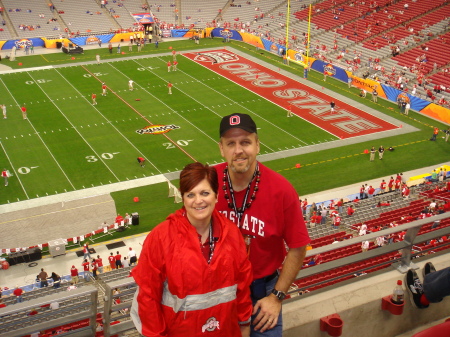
{"points": [[199, 203]]}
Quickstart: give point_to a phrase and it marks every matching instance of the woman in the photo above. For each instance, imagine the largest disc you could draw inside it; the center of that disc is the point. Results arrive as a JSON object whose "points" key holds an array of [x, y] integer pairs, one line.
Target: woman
{"points": [[193, 274], [56, 280]]}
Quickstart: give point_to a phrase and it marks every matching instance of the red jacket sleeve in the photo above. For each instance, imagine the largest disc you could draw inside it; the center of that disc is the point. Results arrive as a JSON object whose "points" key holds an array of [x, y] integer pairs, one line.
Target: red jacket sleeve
{"points": [[149, 275]]}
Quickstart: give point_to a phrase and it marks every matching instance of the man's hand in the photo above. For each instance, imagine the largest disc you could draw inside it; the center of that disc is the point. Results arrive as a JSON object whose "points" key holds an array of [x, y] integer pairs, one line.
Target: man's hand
{"points": [[269, 310]]}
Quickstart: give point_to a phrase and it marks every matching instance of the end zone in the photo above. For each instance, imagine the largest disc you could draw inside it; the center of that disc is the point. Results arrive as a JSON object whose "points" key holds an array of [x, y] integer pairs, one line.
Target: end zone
{"points": [[347, 121]]}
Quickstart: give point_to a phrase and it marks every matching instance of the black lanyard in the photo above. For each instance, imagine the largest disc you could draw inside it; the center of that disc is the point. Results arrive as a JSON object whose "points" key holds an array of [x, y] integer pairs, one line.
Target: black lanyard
{"points": [[240, 211]]}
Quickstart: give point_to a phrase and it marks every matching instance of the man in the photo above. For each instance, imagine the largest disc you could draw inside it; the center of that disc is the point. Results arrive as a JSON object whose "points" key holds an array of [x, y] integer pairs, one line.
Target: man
{"points": [[132, 256], [110, 47], [130, 85], [103, 89], [434, 288], [18, 292], [4, 110], [382, 186], [266, 208], [74, 274], [24, 112], [5, 176], [375, 95], [332, 105], [391, 184], [174, 65], [112, 261], [174, 55], [169, 66], [289, 110], [170, 85], [86, 270], [43, 278], [86, 253], [380, 152], [97, 57], [446, 132], [372, 153], [94, 99], [407, 107], [141, 161], [118, 259], [99, 263]]}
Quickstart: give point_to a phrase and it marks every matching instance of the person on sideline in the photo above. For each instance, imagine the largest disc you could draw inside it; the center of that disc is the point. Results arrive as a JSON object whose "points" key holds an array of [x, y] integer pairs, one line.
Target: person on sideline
{"points": [[186, 290], [5, 176], [380, 152], [266, 208], [372, 153]]}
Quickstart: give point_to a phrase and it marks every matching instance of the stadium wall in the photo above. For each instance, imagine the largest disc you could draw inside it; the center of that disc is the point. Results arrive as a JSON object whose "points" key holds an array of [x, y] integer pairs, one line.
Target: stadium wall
{"points": [[358, 303]]}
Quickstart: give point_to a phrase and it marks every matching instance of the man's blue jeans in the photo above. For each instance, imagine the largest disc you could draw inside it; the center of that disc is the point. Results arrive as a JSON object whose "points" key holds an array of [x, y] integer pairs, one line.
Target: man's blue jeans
{"points": [[276, 331], [437, 285]]}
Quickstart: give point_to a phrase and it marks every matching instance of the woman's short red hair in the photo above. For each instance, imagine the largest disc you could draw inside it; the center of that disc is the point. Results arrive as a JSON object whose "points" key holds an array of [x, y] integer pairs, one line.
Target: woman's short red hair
{"points": [[194, 173]]}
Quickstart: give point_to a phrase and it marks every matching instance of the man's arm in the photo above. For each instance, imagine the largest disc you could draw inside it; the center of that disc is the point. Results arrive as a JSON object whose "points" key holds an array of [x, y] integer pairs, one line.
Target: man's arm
{"points": [[270, 306]]}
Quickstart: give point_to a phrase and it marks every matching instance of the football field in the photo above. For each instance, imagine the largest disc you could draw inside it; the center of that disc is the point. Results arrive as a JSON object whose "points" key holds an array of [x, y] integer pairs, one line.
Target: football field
{"points": [[69, 144]]}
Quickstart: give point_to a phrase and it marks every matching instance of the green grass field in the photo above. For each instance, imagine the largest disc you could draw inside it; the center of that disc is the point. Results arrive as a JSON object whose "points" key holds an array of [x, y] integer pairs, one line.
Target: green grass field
{"points": [[68, 144]]}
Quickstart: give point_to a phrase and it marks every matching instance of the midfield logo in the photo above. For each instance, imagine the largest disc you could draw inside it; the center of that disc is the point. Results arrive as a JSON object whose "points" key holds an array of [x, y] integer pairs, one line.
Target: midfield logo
{"points": [[157, 129]]}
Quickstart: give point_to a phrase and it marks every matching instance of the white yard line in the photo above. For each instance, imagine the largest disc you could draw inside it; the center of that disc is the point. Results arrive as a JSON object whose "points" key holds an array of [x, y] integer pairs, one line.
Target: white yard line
{"points": [[37, 133], [75, 128], [243, 107], [15, 172], [109, 122]]}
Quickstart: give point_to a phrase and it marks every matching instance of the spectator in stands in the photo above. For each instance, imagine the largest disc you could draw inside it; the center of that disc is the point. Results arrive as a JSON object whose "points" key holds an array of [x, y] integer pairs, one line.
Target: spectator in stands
{"points": [[380, 241], [94, 268], [125, 263], [363, 230], [132, 256], [435, 286], [118, 258], [86, 253], [43, 278], [112, 261], [350, 211], [18, 292], [365, 246], [99, 263], [56, 280], [86, 274], [74, 274]]}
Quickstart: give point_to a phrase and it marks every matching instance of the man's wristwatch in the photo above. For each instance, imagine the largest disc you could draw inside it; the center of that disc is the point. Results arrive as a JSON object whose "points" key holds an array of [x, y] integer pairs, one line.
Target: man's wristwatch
{"points": [[279, 294]]}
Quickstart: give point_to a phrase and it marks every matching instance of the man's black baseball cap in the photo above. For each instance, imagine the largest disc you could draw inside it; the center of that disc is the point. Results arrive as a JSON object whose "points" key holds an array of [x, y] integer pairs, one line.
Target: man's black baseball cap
{"points": [[237, 120]]}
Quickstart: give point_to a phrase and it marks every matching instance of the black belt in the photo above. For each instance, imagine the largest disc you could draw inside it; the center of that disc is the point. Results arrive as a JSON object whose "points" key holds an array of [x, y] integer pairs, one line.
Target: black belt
{"points": [[270, 277]]}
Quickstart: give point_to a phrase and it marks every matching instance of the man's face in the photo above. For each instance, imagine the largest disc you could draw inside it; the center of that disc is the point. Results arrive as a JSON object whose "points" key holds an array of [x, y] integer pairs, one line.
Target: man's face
{"points": [[239, 148]]}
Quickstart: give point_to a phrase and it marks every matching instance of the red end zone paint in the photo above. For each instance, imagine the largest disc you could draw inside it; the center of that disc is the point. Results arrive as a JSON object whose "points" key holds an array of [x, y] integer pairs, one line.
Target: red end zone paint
{"points": [[345, 122]]}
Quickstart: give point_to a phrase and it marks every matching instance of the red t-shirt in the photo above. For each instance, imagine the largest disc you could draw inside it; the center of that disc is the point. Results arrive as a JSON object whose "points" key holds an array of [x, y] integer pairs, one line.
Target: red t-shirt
{"points": [[274, 218], [23, 109], [94, 96], [99, 262], [73, 272], [169, 64], [118, 257], [85, 266], [112, 260], [18, 292]]}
